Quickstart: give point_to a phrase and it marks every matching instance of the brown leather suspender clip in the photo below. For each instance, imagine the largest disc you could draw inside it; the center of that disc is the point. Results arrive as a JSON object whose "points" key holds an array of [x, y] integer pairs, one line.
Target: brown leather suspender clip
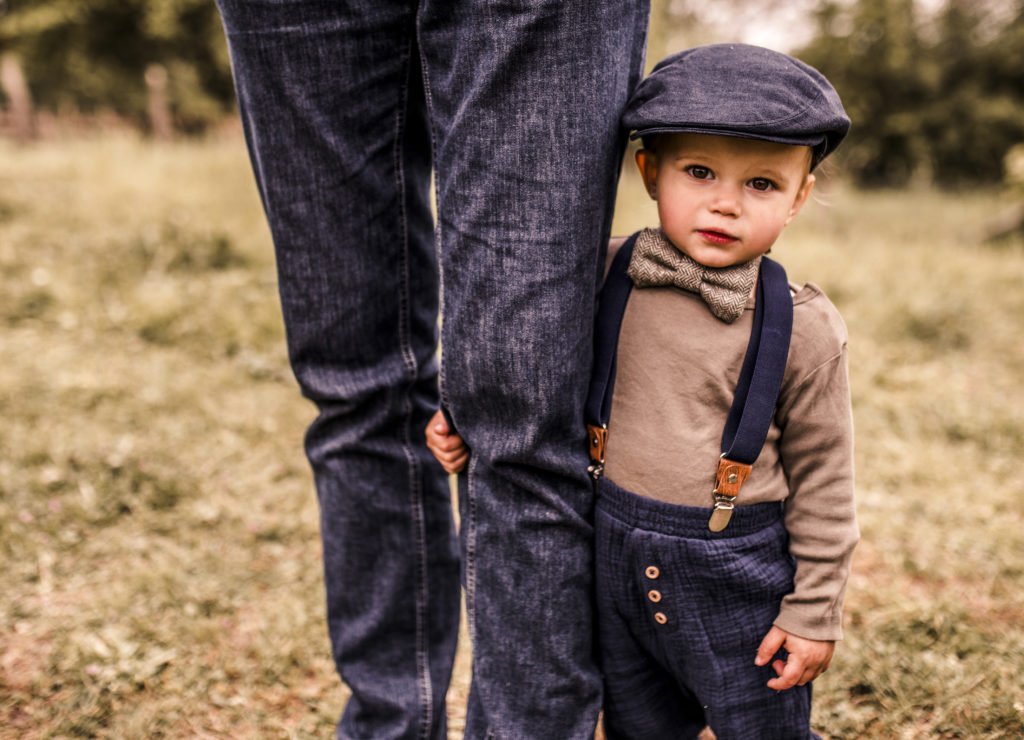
{"points": [[597, 440], [728, 481]]}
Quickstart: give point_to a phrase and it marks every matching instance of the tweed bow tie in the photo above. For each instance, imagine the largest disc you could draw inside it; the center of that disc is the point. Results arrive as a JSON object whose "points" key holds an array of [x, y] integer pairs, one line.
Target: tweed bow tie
{"points": [[657, 262]]}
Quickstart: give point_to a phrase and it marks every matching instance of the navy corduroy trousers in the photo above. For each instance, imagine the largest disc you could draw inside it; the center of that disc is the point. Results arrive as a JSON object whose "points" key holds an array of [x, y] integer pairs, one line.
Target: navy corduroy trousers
{"points": [[681, 612]]}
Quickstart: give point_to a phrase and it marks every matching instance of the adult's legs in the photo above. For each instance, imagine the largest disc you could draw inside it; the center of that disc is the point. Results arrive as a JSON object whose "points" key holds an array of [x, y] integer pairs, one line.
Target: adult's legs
{"points": [[525, 100], [332, 102]]}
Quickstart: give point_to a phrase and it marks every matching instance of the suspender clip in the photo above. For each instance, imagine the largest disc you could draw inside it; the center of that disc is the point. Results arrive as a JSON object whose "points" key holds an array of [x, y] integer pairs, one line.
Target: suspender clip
{"points": [[597, 440], [722, 513], [728, 481]]}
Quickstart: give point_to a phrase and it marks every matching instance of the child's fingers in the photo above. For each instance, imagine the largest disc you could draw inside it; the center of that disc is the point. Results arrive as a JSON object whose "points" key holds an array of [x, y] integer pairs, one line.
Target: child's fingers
{"points": [[449, 456], [457, 466], [816, 660], [810, 675], [437, 427], [769, 646], [445, 445], [442, 441], [790, 673], [449, 448], [451, 442], [438, 423], [816, 669], [806, 675]]}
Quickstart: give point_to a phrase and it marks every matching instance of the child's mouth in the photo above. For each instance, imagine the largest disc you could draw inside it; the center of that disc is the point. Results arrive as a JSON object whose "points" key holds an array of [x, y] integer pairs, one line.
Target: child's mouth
{"points": [[716, 237]]}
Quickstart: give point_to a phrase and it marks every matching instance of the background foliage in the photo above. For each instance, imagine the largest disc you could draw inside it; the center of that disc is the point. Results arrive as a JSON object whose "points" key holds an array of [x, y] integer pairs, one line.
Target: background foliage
{"points": [[935, 89], [938, 97], [91, 55]]}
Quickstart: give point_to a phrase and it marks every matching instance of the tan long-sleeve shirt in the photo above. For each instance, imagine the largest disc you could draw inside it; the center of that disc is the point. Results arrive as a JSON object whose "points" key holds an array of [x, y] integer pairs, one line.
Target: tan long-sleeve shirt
{"points": [[677, 372]]}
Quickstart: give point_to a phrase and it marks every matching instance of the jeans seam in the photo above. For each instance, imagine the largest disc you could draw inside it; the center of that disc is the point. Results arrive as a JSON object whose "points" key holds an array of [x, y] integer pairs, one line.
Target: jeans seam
{"points": [[470, 528], [429, 100], [409, 360]]}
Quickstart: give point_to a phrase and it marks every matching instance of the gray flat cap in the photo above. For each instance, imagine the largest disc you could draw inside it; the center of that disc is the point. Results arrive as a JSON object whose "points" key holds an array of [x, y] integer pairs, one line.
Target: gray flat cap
{"points": [[739, 90]]}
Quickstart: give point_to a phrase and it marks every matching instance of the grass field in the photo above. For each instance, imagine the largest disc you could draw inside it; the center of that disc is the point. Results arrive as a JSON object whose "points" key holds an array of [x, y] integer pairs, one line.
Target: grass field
{"points": [[158, 531]]}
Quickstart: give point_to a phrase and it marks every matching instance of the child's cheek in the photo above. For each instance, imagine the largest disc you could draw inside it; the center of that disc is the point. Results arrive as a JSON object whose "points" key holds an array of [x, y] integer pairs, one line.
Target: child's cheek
{"points": [[674, 224]]}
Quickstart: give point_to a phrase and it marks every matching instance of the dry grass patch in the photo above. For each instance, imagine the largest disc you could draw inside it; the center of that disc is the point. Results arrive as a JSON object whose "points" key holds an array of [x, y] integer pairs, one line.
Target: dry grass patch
{"points": [[158, 526]]}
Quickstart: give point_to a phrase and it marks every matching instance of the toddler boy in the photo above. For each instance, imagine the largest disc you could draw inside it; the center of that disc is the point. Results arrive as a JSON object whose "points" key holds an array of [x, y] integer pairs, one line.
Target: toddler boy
{"points": [[716, 608]]}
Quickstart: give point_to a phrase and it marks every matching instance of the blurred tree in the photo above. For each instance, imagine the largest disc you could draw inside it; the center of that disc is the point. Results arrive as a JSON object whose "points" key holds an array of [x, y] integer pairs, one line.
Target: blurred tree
{"points": [[19, 99], [1010, 221], [872, 54], [977, 111], [92, 54], [937, 99], [935, 90]]}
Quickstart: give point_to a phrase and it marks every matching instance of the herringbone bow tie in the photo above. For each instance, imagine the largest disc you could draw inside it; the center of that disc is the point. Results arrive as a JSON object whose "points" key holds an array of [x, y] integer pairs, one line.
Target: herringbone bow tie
{"points": [[725, 290]]}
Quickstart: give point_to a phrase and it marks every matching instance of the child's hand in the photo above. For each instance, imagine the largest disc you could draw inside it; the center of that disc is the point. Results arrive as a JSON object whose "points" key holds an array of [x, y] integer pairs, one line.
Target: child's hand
{"points": [[807, 659], [448, 447]]}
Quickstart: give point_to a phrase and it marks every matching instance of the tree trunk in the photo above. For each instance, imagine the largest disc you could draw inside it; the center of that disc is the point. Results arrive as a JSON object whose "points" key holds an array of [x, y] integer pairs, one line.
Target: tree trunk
{"points": [[12, 81], [159, 108]]}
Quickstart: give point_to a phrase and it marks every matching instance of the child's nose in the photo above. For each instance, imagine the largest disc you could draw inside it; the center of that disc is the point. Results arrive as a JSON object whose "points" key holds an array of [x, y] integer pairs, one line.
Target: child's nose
{"points": [[726, 202]]}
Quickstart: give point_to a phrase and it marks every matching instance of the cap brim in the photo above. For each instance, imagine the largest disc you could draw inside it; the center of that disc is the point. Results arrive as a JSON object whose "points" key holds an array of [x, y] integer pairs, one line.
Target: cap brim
{"points": [[811, 140]]}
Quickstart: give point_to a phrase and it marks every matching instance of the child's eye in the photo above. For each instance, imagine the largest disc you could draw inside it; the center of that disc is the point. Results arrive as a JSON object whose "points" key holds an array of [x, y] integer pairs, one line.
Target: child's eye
{"points": [[700, 173], [762, 183]]}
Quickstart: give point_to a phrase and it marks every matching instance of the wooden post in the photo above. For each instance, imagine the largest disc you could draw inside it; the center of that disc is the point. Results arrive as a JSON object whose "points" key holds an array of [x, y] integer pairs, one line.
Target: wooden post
{"points": [[12, 80]]}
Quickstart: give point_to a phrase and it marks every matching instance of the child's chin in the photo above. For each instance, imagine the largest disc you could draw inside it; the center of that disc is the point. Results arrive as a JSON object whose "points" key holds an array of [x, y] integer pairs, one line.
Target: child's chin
{"points": [[712, 258]]}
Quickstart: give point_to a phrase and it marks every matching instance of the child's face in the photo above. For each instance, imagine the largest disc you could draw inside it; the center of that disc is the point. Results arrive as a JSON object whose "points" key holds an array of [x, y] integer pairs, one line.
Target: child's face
{"points": [[724, 200]]}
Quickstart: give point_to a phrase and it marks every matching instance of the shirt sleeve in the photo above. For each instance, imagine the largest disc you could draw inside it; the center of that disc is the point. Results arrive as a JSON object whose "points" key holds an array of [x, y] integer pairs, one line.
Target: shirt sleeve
{"points": [[816, 451]]}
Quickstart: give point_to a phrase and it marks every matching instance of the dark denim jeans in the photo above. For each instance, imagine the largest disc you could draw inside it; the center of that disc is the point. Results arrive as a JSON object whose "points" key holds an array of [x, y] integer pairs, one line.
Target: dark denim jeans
{"points": [[348, 107]]}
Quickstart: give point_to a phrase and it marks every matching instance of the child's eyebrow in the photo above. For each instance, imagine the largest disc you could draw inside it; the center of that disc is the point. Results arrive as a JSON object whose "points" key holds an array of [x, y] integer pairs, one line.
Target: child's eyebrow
{"points": [[775, 175], [690, 154]]}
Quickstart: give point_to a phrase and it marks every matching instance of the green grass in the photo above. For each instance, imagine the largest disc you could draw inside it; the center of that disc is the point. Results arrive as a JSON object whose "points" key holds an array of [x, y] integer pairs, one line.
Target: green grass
{"points": [[158, 527]]}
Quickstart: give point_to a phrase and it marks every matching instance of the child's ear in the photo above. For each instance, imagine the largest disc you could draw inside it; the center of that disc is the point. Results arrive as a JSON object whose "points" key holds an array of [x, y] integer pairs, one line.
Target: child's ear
{"points": [[801, 197], [647, 161]]}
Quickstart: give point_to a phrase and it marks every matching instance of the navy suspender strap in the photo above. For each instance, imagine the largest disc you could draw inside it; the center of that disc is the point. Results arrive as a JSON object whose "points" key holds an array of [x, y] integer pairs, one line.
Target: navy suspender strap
{"points": [[611, 309], [757, 390], [764, 365]]}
